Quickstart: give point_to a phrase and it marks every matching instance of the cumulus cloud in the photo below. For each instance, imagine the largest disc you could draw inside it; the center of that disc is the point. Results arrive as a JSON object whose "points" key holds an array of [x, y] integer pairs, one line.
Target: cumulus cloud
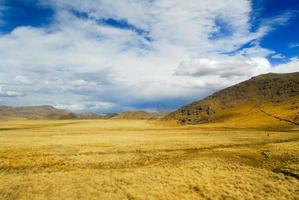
{"points": [[85, 106], [8, 93], [154, 52], [278, 56], [79, 83], [22, 79], [291, 66], [224, 66], [256, 51]]}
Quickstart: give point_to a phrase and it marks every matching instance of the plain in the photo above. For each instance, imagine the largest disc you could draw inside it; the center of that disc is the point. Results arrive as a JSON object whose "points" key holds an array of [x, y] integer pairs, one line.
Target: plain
{"points": [[145, 159]]}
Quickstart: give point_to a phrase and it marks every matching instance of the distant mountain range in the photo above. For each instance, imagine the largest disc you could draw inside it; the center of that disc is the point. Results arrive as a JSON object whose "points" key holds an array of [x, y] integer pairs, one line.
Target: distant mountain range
{"points": [[141, 115], [50, 112], [263, 99], [35, 112]]}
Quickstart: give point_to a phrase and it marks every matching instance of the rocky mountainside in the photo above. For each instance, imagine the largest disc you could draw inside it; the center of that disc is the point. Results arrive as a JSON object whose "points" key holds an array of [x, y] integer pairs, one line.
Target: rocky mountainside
{"points": [[274, 96]]}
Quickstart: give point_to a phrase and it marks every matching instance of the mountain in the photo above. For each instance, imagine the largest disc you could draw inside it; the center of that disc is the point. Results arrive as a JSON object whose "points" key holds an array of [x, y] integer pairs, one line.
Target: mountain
{"points": [[50, 112], [143, 115], [88, 115], [35, 112], [266, 99], [133, 115], [91, 115]]}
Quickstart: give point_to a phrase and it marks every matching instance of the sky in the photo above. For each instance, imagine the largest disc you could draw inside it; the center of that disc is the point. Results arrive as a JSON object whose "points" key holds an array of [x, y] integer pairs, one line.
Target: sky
{"points": [[111, 56]]}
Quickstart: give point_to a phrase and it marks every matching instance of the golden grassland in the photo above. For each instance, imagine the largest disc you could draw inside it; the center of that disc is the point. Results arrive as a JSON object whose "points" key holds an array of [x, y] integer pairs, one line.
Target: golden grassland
{"points": [[138, 159], [249, 115]]}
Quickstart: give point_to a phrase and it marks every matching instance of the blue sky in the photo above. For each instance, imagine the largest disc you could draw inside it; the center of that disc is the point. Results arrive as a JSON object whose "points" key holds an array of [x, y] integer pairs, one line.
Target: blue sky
{"points": [[110, 56], [285, 35]]}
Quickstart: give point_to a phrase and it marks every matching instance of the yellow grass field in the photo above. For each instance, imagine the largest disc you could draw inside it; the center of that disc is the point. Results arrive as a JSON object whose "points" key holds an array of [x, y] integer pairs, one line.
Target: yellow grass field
{"points": [[138, 159]]}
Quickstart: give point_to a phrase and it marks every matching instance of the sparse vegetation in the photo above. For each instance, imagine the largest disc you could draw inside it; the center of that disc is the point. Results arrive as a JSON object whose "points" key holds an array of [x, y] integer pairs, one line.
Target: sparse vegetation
{"points": [[269, 97], [138, 159]]}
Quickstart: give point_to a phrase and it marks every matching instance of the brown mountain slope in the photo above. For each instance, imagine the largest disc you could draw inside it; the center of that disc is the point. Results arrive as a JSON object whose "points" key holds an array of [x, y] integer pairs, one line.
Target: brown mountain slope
{"points": [[262, 100], [35, 112]]}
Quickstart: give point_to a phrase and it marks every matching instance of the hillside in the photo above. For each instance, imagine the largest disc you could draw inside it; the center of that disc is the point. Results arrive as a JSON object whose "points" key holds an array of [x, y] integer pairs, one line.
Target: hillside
{"points": [[35, 112], [50, 112], [143, 115], [134, 115], [263, 100]]}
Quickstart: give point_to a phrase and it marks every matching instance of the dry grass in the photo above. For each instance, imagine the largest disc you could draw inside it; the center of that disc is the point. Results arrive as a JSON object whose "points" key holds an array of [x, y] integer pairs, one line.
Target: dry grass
{"points": [[131, 159]]}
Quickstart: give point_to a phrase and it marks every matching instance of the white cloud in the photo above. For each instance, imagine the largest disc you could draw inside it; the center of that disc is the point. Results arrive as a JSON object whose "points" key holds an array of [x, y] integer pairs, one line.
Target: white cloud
{"points": [[188, 24], [278, 56], [103, 105], [8, 93], [294, 45], [221, 71], [86, 106], [74, 107], [22, 79], [291, 66], [79, 83], [256, 51], [77, 59]]}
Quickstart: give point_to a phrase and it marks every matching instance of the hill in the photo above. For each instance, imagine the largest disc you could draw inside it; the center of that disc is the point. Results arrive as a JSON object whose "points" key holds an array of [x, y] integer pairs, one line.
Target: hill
{"points": [[91, 115], [263, 100], [35, 112], [134, 115], [143, 115], [50, 112]]}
